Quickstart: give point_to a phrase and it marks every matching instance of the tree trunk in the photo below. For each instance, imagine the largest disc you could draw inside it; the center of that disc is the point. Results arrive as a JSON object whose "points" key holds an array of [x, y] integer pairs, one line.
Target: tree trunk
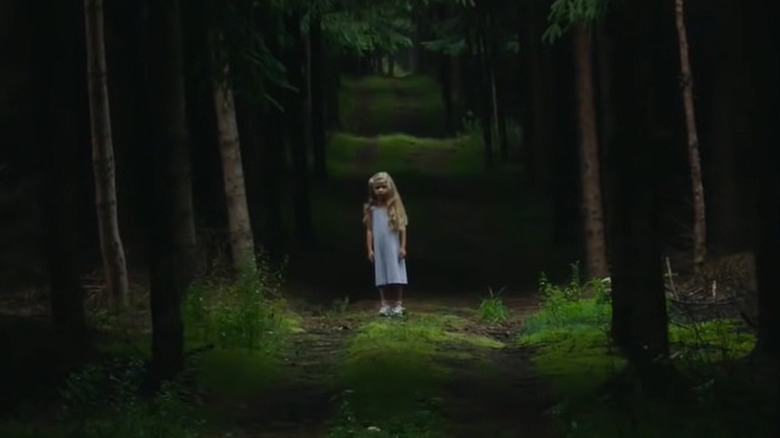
{"points": [[729, 129], [316, 79], [171, 224], [593, 216], [111, 246], [766, 70], [445, 77], [63, 100], [699, 220], [636, 158], [295, 111], [541, 127], [239, 224], [605, 94]]}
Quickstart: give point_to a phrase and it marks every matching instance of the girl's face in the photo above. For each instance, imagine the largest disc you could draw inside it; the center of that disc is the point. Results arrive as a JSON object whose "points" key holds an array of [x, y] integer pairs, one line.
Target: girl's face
{"points": [[381, 189]]}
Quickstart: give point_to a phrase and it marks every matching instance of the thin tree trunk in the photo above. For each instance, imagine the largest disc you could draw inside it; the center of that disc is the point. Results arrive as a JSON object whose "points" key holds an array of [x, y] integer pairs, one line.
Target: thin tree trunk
{"points": [[593, 216], [699, 220], [296, 118], [104, 170], [239, 225], [316, 80]]}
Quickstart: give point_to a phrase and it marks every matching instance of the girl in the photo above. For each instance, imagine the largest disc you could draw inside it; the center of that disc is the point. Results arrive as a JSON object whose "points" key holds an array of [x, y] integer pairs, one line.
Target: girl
{"points": [[385, 219]]}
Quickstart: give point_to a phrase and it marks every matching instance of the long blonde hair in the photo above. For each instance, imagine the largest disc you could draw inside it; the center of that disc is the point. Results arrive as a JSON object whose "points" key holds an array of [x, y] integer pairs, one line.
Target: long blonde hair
{"points": [[395, 206]]}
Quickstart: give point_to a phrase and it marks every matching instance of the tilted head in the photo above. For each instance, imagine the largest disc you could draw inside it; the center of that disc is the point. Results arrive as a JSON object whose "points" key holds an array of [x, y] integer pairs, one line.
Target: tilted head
{"points": [[381, 187], [382, 191]]}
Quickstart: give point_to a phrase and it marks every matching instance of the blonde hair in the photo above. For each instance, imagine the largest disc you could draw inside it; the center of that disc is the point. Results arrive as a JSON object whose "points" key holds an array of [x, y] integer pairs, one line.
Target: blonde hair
{"points": [[395, 206]]}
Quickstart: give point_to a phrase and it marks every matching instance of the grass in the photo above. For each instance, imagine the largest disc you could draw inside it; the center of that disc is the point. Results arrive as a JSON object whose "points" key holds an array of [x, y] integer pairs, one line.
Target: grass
{"points": [[393, 374], [492, 309], [570, 335]]}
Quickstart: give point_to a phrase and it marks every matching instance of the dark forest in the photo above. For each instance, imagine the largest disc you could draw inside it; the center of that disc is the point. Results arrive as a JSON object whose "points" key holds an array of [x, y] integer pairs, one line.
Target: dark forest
{"points": [[593, 210]]}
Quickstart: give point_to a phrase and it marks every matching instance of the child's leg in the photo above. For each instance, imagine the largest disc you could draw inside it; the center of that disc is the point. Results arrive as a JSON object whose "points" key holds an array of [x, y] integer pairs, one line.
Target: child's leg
{"points": [[382, 296], [398, 308]]}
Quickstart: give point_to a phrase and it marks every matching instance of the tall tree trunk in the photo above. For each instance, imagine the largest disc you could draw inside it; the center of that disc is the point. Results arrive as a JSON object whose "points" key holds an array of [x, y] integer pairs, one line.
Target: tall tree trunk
{"points": [[113, 252], [445, 77], [239, 225], [296, 117], [541, 128], [593, 216], [171, 217], [605, 93], [316, 82], [699, 220], [636, 157], [729, 129], [62, 131], [766, 69], [485, 95]]}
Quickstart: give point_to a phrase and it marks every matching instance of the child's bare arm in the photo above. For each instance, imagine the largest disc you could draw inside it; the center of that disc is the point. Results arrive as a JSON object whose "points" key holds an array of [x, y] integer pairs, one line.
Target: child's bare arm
{"points": [[403, 243], [370, 243]]}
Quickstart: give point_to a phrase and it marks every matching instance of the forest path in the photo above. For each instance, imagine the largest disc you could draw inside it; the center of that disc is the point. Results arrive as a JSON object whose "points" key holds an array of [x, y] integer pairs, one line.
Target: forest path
{"points": [[469, 229], [484, 385]]}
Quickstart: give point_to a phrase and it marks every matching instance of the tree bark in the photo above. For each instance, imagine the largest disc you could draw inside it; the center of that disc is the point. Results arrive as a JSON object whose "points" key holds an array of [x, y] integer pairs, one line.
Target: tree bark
{"points": [[295, 111], [171, 223], [316, 79], [636, 158], [239, 225], [593, 216], [729, 128], [699, 219], [103, 166], [765, 71], [541, 128]]}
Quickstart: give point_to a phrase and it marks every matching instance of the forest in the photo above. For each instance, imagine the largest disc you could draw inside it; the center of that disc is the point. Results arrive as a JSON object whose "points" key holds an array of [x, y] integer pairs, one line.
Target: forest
{"points": [[593, 203]]}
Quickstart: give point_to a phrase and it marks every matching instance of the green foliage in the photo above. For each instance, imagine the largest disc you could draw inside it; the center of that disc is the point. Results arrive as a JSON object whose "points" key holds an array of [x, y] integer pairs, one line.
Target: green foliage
{"points": [[239, 30], [374, 28], [240, 314], [565, 13], [106, 400], [571, 336], [492, 308]]}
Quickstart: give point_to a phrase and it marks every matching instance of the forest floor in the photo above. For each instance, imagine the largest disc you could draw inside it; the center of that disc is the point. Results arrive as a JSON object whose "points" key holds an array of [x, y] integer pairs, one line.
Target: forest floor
{"points": [[438, 371]]}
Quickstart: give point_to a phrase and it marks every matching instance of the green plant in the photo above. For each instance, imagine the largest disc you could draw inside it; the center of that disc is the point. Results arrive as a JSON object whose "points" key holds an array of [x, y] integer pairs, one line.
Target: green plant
{"points": [[108, 400], [492, 308], [574, 351], [247, 313]]}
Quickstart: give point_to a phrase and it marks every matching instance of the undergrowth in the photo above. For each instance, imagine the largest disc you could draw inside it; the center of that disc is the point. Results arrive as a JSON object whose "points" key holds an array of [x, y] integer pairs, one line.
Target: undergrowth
{"points": [[240, 329], [571, 336]]}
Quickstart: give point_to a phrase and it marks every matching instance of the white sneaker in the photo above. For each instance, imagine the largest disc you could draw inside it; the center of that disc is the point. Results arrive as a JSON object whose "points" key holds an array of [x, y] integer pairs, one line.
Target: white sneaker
{"points": [[398, 310], [385, 310]]}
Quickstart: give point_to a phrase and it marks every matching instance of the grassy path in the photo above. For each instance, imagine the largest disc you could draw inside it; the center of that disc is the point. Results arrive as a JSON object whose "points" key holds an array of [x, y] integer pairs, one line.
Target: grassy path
{"points": [[438, 372]]}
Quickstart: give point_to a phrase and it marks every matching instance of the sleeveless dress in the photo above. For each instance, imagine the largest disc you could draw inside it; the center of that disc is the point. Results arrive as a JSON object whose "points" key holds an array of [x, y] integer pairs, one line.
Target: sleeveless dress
{"points": [[389, 269]]}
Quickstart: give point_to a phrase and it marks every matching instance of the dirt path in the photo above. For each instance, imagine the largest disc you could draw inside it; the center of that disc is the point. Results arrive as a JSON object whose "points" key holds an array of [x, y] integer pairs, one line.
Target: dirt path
{"points": [[490, 392]]}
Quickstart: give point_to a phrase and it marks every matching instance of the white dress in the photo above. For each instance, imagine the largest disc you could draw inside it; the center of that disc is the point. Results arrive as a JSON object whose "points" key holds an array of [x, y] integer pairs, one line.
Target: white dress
{"points": [[389, 268]]}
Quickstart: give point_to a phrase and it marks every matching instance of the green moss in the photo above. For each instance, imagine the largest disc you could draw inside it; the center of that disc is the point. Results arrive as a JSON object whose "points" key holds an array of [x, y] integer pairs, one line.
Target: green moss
{"points": [[391, 363]]}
